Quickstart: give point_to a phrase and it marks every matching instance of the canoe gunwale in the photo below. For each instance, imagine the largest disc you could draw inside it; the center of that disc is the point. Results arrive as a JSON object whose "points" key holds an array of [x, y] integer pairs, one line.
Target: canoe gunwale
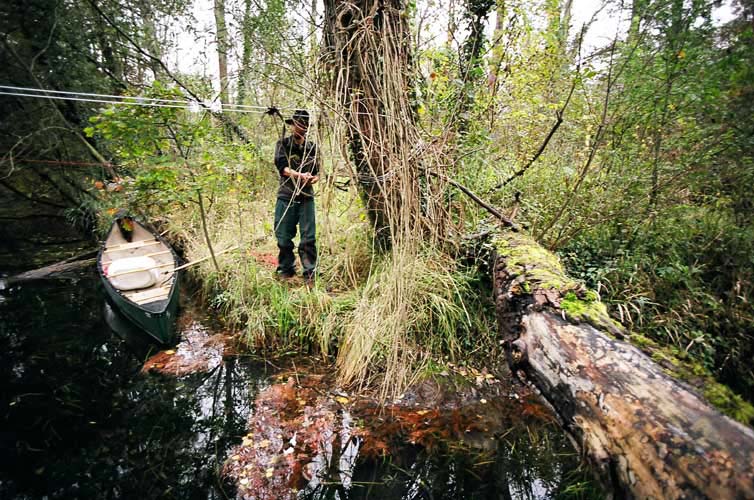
{"points": [[159, 318]]}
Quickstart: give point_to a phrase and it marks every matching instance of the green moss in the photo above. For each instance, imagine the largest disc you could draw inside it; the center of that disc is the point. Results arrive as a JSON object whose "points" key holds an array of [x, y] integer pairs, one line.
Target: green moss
{"points": [[662, 356], [525, 257], [729, 403], [678, 365], [575, 306], [642, 342], [542, 270]]}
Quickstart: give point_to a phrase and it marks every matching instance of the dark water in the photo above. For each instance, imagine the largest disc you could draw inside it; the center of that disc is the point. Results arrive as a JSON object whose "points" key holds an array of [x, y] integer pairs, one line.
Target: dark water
{"points": [[79, 420]]}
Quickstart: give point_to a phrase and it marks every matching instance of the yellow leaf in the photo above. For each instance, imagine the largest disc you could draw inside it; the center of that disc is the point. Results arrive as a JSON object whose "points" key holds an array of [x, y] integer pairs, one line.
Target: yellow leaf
{"points": [[483, 401], [422, 412], [244, 481], [489, 376], [341, 399], [269, 472], [236, 458], [170, 351], [264, 443]]}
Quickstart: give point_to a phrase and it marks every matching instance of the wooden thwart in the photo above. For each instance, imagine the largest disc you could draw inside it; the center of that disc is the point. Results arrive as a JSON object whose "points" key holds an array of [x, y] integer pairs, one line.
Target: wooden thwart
{"points": [[133, 244], [150, 295], [153, 254]]}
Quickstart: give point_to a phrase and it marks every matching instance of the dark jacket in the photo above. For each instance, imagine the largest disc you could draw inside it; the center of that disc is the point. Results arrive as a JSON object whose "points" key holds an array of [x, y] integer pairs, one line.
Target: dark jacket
{"points": [[302, 158]]}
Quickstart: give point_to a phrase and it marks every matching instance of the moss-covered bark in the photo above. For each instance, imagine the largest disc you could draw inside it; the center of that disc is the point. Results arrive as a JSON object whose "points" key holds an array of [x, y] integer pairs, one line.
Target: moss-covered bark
{"points": [[647, 433]]}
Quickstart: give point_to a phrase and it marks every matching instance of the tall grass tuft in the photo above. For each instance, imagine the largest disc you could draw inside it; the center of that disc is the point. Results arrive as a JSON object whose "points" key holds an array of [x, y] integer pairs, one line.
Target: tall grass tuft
{"points": [[413, 307], [380, 317]]}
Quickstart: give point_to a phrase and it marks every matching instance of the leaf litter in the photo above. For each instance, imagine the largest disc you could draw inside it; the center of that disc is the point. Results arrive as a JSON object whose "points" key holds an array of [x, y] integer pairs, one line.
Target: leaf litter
{"points": [[302, 435]]}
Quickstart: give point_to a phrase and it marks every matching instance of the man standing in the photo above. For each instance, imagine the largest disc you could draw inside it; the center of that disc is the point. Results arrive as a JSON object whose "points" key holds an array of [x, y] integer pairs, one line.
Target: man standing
{"points": [[298, 164]]}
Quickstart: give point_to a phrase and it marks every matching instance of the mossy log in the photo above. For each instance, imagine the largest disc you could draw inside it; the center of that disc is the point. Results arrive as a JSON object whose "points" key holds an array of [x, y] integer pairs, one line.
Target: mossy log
{"points": [[647, 434]]}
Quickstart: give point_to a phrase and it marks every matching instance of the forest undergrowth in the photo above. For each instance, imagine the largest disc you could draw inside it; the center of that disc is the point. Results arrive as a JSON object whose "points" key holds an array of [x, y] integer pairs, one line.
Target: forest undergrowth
{"points": [[631, 159], [379, 318]]}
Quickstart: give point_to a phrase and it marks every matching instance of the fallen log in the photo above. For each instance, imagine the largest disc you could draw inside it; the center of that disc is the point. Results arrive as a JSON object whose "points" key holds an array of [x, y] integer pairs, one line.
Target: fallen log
{"points": [[57, 269], [647, 434]]}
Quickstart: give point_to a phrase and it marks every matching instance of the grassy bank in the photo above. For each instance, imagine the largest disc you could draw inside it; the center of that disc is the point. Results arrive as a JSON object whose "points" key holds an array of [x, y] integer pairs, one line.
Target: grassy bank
{"points": [[378, 317]]}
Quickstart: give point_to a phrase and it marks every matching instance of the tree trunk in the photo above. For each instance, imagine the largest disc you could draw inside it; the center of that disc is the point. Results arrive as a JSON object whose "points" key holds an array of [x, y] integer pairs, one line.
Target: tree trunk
{"points": [[222, 49], [498, 48], [243, 71], [638, 10], [56, 270], [648, 435], [368, 45], [470, 60], [152, 44]]}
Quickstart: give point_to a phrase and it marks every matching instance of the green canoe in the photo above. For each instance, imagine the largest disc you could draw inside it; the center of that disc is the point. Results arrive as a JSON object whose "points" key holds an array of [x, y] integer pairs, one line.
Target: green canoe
{"points": [[137, 268]]}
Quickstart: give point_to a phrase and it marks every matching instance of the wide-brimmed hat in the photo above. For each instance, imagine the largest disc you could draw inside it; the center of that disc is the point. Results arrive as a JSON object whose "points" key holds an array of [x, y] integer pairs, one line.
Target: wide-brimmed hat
{"points": [[300, 116]]}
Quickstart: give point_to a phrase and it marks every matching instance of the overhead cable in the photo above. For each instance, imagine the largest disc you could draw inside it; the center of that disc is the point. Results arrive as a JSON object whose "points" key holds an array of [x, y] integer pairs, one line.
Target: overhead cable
{"points": [[189, 104]]}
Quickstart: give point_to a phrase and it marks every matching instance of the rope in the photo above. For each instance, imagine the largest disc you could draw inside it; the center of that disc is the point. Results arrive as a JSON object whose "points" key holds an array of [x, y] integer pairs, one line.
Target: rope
{"points": [[119, 98], [188, 104], [71, 163]]}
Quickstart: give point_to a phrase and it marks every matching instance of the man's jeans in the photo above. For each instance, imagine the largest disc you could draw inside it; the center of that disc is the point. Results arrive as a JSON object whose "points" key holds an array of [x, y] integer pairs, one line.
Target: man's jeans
{"points": [[289, 214]]}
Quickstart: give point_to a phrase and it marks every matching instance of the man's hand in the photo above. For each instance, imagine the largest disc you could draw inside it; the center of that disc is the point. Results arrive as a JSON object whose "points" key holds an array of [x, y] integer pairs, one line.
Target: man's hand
{"points": [[305, 177], [296, 175], [313, 179]]}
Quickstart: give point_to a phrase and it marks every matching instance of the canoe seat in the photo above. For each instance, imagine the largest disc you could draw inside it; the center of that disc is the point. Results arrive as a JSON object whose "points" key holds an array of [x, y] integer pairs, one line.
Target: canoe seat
{"points": [[135, 244], [132, 273], [151, 295]]}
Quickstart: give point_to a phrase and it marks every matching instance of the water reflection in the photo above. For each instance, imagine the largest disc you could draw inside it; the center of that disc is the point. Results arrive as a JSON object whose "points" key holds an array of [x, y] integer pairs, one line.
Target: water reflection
{"points": [[304, 442], [80, 419]]}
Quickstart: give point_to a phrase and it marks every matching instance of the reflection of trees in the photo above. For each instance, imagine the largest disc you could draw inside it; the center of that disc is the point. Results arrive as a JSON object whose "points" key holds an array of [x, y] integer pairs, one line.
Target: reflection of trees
{"points": [[533, 464], [194, 423], [84, 423]]}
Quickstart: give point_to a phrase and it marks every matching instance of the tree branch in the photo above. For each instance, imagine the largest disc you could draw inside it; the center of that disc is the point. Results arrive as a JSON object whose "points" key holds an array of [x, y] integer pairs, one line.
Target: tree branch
{"points": [[492, 210], [559, 119], [224, 119]]}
